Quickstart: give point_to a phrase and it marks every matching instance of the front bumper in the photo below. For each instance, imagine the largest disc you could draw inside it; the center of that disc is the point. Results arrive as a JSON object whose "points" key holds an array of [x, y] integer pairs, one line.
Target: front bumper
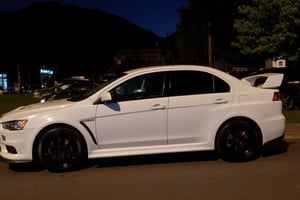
{"points": [[3, 159], [15, 146]]}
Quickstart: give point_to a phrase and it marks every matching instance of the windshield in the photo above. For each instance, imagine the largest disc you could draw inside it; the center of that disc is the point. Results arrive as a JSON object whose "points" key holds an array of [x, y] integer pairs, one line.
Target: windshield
{"points": [[93, 90], [89, 92]]}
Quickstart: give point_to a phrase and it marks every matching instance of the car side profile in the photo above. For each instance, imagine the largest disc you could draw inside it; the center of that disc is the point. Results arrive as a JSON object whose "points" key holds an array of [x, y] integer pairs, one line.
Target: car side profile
{"points": [[152, 110]]}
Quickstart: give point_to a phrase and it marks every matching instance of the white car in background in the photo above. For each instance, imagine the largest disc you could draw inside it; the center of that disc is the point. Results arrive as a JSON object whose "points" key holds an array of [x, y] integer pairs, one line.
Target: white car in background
{"points": [[151, 110]]}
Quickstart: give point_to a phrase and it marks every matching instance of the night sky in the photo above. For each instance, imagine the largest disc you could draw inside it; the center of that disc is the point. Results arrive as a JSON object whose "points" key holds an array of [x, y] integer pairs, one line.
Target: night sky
{"points": [[158, 16]]}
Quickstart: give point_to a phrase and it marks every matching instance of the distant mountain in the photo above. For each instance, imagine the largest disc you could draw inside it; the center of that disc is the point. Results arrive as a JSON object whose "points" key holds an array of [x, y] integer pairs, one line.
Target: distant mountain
{"points": [[73, 39]]}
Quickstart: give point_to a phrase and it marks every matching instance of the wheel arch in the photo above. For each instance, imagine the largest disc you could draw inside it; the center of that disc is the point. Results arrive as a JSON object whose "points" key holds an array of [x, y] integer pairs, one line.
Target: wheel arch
{"points": [[52, 126], [252, 122]]}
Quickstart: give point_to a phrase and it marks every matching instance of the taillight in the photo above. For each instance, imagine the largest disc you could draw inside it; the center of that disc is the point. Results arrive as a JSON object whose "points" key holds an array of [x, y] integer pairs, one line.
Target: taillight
{"points": [[276, 96]]}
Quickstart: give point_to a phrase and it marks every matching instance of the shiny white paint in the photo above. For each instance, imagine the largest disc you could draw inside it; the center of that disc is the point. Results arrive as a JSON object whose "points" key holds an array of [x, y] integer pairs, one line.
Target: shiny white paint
{"points": [[190, 118], [132, 123], [273, 80], [157, 125]]}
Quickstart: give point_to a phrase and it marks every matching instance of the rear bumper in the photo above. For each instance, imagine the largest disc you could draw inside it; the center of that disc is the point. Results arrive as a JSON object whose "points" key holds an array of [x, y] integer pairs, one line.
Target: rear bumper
{"points": [[280, 138]]}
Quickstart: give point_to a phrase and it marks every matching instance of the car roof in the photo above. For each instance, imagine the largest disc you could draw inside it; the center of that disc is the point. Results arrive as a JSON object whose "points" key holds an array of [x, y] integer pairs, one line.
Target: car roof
{"points": [[171, 67], [162, 68]]}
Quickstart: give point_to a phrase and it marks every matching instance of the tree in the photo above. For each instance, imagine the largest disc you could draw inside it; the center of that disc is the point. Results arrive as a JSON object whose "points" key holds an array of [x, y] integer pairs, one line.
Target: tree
{"points": [[268, 28], [190, 35], [204, 32]]}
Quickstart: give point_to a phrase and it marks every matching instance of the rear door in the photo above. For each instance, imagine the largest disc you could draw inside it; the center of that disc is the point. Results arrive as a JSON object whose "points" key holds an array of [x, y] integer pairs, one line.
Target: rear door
{"points": [[198, 101]]}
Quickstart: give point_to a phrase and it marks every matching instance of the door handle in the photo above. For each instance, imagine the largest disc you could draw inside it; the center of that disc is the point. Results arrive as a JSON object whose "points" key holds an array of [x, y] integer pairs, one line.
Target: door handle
{"points": [[158, 107], [220, 101]]}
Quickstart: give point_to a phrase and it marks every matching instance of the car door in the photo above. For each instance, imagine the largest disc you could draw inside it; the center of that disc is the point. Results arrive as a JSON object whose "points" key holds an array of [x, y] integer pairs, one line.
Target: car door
{"points": [[137, 116], [198, 102]]}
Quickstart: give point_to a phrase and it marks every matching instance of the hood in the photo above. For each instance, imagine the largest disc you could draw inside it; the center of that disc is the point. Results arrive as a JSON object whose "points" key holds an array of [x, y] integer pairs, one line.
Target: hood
{"points": [[33, 109]]}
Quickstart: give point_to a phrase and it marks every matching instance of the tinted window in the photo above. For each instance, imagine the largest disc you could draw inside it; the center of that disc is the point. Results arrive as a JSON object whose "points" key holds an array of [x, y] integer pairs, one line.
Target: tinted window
{"points": [[192, 82], [141, 87], [220, 85]]}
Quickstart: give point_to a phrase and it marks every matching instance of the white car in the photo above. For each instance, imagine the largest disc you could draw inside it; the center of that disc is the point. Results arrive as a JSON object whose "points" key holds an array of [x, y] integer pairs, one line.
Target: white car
{"points": [[152, 110]]}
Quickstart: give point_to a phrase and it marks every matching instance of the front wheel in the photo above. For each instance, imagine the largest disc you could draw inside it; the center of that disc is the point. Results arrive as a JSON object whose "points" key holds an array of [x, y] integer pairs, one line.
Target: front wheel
{"points": [[237, 141], [60, 149]]}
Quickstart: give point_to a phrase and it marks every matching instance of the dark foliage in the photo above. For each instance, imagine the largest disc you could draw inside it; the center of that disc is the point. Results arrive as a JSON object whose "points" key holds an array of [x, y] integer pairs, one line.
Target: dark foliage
{"points": [[71, 39]]}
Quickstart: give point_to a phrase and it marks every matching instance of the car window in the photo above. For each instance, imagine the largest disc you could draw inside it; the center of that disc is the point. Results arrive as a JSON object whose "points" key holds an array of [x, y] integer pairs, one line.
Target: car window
{"points": [[220, 85], [141, 87], [89, 92], [192, 82]]}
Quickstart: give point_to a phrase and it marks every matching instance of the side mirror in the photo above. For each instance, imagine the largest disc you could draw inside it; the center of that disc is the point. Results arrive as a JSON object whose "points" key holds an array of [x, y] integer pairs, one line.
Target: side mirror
{"points": [[106, 97]]}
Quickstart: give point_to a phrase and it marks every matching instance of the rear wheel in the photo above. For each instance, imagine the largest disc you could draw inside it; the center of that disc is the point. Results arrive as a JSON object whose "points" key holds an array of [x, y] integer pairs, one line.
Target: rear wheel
{"points": [[238, 140], [288, 102], [60, 149]]}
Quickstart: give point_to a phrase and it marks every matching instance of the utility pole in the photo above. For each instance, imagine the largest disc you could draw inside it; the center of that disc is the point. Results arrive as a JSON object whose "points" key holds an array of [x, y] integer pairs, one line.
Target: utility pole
{"points": [[19, 78], [210, 46]]}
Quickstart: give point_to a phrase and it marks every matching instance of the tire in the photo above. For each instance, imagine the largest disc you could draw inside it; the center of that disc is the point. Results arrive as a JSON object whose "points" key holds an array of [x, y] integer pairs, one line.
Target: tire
{"points": [[238, 141], [61, 149], [288, 102]]}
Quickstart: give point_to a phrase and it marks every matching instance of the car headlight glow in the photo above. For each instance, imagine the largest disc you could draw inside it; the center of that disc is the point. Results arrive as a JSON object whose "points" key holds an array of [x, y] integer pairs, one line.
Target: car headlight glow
{"points": [[14, 124]]}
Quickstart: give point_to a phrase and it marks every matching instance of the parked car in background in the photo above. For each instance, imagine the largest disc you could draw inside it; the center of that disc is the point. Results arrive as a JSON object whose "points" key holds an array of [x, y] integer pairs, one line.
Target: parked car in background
{"points": [[67, 88], [151, 110]]}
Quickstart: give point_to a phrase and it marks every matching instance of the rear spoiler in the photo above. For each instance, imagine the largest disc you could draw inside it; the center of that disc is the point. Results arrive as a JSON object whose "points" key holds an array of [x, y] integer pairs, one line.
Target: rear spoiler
{"points": [[266, 80]]}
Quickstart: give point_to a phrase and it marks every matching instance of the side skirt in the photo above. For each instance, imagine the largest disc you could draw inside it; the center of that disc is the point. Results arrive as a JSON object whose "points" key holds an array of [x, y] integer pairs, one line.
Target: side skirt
{"points": [[158, 149]]}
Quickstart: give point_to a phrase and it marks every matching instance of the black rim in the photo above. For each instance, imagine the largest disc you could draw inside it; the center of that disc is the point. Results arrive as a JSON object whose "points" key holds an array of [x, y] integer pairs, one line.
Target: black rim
{"points": [[239, 142], [287, 102], [59, 151]]}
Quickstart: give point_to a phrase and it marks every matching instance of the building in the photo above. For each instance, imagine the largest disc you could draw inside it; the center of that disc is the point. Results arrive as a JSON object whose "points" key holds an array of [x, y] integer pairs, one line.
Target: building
{"points": [[133, 58], [3, 81]]}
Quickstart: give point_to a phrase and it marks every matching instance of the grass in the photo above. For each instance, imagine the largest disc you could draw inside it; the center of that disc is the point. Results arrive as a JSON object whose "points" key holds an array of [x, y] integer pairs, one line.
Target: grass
{"points": [[9, 102], [292, 116]]}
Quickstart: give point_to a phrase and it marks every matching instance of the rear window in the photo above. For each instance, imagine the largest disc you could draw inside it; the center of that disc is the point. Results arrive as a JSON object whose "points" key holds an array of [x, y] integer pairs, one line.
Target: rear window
{"points": [[193, 82]]}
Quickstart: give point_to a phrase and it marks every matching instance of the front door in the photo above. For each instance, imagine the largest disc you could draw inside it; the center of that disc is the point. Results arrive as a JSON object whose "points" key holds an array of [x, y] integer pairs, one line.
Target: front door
{"points": [[137, 116]]}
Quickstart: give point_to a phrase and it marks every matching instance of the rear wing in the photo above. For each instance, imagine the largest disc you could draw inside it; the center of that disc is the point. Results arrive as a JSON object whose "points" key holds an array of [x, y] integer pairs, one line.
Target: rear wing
{"points": [[266, 80]]}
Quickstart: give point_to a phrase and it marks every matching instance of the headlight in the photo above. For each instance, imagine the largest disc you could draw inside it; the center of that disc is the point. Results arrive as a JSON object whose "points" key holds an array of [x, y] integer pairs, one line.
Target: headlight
{"points": [[15, 124]]}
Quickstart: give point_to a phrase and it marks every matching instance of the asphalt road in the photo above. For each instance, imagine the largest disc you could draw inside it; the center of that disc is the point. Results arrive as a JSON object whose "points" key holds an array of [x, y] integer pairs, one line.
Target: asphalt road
{"points": [[200, 175]]}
